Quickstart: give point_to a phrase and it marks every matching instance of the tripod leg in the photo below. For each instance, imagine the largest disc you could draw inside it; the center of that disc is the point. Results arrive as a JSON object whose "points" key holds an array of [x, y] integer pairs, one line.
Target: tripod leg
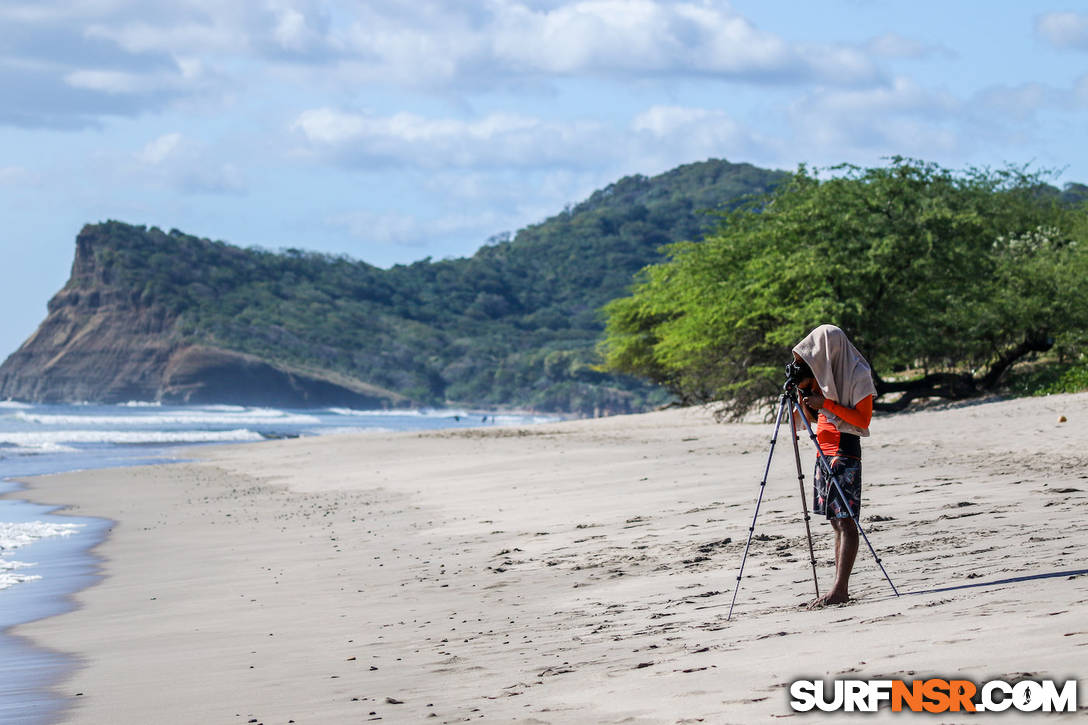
{"points": [[804, 502], [762, 488], [825, 466]]}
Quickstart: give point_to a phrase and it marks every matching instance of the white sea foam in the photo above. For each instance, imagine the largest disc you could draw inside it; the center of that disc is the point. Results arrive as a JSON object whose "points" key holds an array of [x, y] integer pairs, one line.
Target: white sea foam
{"points": [[16, 535], [405, 413], [140, 404], [353, 411], [343, 430], [7, 576], [255, 416], [523, 420], [12, 404], [19, 534], [40, 441], [468, 416], [37, 448]]}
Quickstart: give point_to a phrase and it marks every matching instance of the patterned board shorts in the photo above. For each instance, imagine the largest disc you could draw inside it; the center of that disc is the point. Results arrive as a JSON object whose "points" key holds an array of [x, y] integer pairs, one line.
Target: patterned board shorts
{"points": [[826, 500]]}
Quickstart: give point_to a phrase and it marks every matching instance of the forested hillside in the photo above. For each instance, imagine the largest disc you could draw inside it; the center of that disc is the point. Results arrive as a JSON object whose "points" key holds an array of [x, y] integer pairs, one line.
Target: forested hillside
{"points": [[516, 324]]}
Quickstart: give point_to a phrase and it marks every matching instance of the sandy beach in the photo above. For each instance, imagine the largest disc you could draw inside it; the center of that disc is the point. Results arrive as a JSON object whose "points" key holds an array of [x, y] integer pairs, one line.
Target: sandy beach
{"points": [[578, 572]]}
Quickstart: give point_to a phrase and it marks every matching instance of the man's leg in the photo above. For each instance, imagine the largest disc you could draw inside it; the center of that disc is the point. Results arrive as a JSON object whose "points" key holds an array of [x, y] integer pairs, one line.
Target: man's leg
{"points": [[846, 550]]}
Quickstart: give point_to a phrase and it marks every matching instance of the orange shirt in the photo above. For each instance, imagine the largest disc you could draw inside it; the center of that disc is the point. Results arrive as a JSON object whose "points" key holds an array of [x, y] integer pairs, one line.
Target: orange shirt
{"points": [[828, 436]]}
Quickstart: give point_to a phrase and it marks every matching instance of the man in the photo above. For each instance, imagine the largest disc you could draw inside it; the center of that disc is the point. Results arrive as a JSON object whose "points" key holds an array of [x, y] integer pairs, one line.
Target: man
{"points": [[837, 391]]}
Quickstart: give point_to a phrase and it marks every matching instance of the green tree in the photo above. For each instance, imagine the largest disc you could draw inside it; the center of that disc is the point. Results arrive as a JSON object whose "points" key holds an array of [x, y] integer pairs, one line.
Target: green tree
{"points": [[954, 274]]}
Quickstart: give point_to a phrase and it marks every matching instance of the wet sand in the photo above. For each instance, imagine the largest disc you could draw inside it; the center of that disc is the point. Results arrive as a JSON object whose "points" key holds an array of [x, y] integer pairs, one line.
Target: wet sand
{"points": [[578, 572]]}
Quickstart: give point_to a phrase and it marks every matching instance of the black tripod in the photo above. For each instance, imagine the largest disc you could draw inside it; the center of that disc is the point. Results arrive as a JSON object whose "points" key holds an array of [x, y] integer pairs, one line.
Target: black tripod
{"points": [[788, 405]]}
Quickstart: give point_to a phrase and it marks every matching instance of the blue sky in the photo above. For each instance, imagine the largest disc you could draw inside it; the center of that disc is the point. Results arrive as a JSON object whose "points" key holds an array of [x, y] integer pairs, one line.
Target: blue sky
{"points": [[392, 131]]}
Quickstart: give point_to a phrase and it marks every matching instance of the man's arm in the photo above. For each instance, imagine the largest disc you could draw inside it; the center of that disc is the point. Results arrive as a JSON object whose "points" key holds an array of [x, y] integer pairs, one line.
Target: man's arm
{"points": [[860, 415]]}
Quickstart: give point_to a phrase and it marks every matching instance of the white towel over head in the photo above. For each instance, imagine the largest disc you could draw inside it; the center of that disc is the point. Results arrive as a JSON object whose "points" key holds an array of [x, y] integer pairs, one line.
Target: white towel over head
{"points": [[842, 373]]}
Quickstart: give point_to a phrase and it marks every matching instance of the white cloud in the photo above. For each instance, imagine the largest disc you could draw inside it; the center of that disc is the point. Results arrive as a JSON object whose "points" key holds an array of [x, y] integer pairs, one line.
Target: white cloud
{"points": [[109, 81], [69, 64], [159, 149], [663, 121], [46, 11], [612, 38], [126, 57], [655, 139], [902, 96], [408, 139], [140, 36], [900, 118], [291, 30], [431, 43], [634, 35], [183, 164], [329, 126], [1063, 30], [667, 135], [256, 29]]}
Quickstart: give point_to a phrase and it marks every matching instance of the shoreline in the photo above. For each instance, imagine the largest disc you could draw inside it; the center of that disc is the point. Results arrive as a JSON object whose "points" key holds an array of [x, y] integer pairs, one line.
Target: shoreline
{"points": [[31, 672], [567, 572]]}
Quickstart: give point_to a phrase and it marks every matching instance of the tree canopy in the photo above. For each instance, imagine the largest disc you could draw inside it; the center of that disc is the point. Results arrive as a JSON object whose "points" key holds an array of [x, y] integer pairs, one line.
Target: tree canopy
{"points": [[942, 278]]}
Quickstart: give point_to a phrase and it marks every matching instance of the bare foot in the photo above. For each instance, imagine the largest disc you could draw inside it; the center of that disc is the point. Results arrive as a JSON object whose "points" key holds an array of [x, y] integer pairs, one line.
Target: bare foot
{"points": [[832, 597]]}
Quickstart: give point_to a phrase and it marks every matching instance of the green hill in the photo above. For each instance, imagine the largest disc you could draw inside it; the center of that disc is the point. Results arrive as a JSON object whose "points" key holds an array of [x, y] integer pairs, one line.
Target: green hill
{"points": [[516, 324]]}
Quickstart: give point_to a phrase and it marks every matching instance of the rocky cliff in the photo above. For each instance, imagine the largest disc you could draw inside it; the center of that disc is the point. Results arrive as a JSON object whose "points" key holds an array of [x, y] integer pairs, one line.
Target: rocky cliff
{"points": [[103, 342]]}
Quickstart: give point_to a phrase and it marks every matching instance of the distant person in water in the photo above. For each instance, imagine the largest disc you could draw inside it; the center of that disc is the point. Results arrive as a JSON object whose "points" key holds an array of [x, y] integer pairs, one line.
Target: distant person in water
{"points": [[837, 393]]}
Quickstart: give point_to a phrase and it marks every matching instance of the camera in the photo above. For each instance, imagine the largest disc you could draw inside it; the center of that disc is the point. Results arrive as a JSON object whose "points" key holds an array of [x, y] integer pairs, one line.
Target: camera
{"points": [[796, 371]]}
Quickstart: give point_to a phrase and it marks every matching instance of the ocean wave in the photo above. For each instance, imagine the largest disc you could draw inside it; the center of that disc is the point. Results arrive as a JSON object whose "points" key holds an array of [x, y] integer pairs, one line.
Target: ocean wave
{"points": [[36, 449], [389, 413], [14, 535], [140, 404], [525, 419], [12, 404], [41, 440], [446, 413], [9, 579], [255, 416], [348, 429], [407, 413]]}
